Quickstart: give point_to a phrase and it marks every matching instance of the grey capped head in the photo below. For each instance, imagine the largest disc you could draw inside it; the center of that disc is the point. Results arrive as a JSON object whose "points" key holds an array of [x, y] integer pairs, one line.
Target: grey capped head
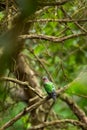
{"points": [[44, 78]]}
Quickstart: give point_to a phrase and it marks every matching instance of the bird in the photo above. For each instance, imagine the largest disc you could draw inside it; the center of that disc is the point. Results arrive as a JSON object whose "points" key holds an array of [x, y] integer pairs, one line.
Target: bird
{"points": [[49, 87]]}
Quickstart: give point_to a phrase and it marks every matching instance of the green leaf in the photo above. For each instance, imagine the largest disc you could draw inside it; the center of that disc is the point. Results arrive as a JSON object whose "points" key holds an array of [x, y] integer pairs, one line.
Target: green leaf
{"points": [[79, 85], [1, 15]]}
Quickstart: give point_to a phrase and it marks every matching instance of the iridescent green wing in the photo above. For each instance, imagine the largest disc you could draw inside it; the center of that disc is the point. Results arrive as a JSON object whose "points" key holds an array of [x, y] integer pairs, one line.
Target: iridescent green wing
{"points": [[49, 87]]}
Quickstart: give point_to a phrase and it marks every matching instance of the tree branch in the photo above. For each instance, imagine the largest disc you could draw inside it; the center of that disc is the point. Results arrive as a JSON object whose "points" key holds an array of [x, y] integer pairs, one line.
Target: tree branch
{"points": [[75, 22], [75, 108], [21, 83], [58, 20], [30, 108], [24, 112], [51, 38], [42, 64], [58, 122], [53, 3], [74, 51], [47, 114]]}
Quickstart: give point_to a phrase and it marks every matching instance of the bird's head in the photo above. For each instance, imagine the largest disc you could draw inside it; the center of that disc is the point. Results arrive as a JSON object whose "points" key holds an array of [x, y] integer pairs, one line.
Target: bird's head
{"points": [[45, 79]]}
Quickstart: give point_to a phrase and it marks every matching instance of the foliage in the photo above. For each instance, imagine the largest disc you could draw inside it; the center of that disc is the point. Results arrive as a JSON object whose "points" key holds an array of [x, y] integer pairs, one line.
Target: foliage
{"points": [[63, 61]]}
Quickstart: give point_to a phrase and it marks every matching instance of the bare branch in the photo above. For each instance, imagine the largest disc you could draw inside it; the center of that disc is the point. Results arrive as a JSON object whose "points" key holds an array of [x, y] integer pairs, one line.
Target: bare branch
{"points": [[42, 64], [75, 108], [51, 38], [77, 111], [58, 20], [58, 122], [30, 108], [47, 114], [76, 22], [76, 50], [53, 3], [79, 95], [20, 83], [24, 112]]}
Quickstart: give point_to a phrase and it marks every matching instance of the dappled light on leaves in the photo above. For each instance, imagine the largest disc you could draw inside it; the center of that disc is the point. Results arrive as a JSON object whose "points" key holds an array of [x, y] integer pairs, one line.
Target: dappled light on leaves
{"points": [[79, 85], [43, 38]]}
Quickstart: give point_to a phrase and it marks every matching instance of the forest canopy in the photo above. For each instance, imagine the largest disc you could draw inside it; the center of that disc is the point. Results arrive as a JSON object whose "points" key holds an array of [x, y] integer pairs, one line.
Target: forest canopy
{"points": [[43, 38]]}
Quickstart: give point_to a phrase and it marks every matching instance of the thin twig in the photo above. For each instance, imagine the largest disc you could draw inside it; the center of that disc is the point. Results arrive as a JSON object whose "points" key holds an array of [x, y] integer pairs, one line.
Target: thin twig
{"points": [[49, 111], [58, 122], [42, 64], [30, 108], [75, 108], [74, 51], [58, 20], [20, 83], [53, 3], [24, 112], [80, 95], [51, 38], [78, 112], [75, 22]]}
